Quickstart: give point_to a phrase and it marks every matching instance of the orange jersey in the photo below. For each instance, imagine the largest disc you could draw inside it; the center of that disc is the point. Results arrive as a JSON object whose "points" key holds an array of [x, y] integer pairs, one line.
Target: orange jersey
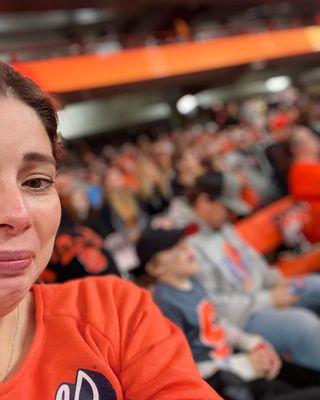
{"points": [[104, 339], [304, 184], [304, 180]]}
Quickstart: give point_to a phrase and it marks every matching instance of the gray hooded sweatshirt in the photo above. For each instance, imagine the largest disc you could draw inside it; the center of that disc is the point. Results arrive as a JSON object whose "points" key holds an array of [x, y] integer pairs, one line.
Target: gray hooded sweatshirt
{"points": [[235, 276]]}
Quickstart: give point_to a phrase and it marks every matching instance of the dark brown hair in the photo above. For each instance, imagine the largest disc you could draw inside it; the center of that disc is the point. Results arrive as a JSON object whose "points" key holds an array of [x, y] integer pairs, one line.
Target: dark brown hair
{"points": [[210, 183], [13, 84]]}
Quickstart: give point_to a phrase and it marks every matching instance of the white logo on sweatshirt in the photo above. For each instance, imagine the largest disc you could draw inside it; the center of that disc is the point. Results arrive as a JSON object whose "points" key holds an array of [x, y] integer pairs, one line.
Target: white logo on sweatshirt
{"points": [[89, 385]]}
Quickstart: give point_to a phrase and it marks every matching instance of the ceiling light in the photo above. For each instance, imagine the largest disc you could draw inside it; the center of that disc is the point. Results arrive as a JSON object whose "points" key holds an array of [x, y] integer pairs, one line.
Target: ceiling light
{"points": [[187, 104], [278, 83]]}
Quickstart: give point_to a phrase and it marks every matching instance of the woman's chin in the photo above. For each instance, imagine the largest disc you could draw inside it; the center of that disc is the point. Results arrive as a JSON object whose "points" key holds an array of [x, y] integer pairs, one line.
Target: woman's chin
{"points": [[12, 291]]}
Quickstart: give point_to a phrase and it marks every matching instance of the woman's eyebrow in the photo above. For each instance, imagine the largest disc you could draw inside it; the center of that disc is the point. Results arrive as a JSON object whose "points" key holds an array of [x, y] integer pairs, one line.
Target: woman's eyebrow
{"points": [[39, 158]]}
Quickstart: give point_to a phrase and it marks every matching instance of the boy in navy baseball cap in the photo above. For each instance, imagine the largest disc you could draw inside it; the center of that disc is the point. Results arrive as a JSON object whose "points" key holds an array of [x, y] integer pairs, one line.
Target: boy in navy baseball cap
{"points": [[167, 257]]}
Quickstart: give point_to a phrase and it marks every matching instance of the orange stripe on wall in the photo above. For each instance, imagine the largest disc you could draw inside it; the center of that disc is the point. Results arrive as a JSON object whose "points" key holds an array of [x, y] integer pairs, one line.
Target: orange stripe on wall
{"points": [[68, 74]]}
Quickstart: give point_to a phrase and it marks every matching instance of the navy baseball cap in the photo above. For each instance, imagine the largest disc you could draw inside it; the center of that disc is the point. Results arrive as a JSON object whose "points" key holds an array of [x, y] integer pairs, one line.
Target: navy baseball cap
{"points": [[155, 240]]}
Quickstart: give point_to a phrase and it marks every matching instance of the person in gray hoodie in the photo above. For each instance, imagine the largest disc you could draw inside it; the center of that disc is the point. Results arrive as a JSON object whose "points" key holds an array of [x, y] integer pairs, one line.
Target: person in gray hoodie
{"points": [[247, 291]]}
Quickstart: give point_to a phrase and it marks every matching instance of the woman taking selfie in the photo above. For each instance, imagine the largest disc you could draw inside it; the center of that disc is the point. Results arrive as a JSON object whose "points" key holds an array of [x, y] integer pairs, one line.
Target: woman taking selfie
{"points": [[97, 338]]}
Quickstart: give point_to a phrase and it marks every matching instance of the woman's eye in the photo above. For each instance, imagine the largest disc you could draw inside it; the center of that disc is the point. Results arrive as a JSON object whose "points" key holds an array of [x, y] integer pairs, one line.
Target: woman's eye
{"points": [[38, 183]]}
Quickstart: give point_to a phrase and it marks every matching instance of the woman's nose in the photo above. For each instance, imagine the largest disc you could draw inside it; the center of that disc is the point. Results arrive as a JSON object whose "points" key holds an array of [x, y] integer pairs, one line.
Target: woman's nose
{"points": [[15, 217]]}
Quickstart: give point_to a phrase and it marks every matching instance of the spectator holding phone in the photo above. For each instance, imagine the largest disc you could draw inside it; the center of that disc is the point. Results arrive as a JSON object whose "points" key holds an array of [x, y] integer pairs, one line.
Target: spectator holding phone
{"points": [[246, 290]]}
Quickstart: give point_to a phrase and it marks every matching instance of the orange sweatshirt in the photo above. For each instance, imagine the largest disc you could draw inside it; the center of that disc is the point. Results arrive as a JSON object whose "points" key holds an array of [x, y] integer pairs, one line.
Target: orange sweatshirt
{"points": [[104, 339], [304, 184]]}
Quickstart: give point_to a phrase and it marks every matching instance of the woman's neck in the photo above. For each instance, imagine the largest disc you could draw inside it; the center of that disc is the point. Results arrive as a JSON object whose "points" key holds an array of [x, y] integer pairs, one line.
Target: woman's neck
{"points": [[16, 334]]}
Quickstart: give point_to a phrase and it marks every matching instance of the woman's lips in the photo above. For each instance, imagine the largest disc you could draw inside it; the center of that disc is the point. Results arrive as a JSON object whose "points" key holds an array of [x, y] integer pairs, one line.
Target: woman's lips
{"points": [[15, 262]]}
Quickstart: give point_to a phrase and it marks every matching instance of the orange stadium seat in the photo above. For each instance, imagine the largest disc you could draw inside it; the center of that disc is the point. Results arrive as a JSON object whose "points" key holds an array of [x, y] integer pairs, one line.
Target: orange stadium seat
{"points": [[261, 232]]}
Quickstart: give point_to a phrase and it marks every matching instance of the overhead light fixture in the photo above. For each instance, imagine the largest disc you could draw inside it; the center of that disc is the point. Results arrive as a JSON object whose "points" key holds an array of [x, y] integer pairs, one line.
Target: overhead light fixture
{"points": [[86, 16], [278, 83], [187, 104]]}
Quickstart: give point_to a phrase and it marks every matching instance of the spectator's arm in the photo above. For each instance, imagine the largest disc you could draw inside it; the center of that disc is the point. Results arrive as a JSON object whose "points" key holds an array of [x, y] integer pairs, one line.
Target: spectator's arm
{"points": [[238, 338], [230, 305], [239, 364], [271, 275]]}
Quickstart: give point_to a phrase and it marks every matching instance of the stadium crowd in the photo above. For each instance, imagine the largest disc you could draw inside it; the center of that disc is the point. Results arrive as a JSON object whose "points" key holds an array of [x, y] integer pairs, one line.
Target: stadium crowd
{"points": [[161, 211]]}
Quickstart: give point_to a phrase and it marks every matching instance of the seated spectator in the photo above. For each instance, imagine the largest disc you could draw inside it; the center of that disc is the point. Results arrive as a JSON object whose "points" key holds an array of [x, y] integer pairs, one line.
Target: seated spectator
{"points": [[77, 208], [232, 191], [121, 211], [126, 164], [120, 220], [247, 291], [244, 375], [278, 153], [188, 168], [154, 190], [252, 163], [94, 189], [162, 152], [78, 250], [304, 176]]}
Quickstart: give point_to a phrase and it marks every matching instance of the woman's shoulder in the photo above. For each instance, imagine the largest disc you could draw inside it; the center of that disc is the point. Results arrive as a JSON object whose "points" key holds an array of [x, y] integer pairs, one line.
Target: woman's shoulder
{"points": [[91, 300]]}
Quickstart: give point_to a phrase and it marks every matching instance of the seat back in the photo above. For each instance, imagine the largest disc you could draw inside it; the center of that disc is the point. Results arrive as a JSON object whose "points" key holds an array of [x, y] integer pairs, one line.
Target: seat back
{"points": [[260, 230]]}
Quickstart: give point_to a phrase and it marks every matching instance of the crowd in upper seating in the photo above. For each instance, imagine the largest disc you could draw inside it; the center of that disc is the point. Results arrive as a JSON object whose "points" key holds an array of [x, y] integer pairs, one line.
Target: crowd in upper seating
{"points": [[196, 25]]}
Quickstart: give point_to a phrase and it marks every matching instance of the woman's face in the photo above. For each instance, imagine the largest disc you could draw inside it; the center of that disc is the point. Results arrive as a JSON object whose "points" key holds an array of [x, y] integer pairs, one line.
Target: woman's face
{"points": [[29, 204]]}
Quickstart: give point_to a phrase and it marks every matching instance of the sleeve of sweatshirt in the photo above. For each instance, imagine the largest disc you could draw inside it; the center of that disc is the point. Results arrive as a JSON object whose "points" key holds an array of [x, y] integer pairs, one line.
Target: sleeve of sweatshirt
{"points": [[240, 339], [270, 274], [262, 300], [241, 366], [238, 363], [233, 306]]}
